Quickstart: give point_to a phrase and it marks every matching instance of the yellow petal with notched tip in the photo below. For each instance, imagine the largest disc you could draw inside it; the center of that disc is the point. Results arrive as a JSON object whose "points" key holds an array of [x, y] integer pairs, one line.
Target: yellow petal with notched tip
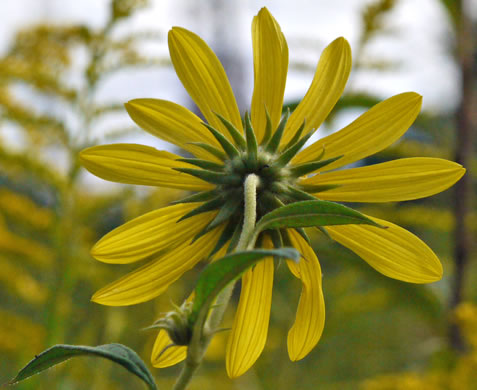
{"points": [[310, 316], [138, 164], [149, 234], [398, 180], [393, 251], [326, 88], [250, 327], [153, 278], [203, 76], [171, 356], [373, 131], [172, 123], [270, 64]]}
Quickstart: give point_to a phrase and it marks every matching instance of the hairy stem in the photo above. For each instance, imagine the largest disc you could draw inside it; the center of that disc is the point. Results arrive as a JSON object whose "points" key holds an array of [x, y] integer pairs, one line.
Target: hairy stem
{"points": [[250, 213], [204, 329]]}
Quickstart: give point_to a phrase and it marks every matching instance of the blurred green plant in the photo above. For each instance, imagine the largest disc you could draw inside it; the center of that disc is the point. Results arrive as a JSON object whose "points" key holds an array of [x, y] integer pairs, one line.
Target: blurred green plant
{"points": [[48, 222], [50, 80], [459, 373]]}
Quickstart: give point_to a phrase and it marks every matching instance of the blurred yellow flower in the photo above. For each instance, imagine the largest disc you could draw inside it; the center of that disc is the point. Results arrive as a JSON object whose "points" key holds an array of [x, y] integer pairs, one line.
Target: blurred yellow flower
{"points": [[177, 237]]}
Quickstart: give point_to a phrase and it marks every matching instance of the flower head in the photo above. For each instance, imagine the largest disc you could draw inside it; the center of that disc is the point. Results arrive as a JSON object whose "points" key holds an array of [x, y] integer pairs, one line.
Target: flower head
{"points": [[226, 150]]}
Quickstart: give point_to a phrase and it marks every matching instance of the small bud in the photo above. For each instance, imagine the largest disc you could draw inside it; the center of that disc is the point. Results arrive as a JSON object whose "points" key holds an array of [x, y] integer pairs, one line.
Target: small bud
{"points": [[176, 324]]}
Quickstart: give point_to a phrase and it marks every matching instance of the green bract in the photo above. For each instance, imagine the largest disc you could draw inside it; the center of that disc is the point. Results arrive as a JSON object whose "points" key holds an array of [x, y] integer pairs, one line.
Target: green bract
{"points": [[278, 182]]}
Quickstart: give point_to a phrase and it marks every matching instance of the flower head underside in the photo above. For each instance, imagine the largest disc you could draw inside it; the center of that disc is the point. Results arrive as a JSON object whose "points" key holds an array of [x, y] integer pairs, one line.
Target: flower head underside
{"points": [[270, 145]]}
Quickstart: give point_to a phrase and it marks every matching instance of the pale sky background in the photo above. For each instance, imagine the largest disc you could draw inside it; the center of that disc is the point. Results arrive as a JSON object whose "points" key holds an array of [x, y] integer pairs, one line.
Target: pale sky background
{"points": [[418, 43], [419, 37]]}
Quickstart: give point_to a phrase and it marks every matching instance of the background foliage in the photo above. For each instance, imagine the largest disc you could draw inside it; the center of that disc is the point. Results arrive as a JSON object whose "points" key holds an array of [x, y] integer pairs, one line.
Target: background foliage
{"points": [[380, 333]]}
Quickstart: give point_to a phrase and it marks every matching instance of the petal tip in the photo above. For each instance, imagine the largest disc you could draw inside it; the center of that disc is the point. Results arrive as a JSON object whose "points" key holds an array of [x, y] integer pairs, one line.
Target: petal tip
{"points": [[232, 373], [96, 298], [342, 43], [132, 108], [176, 30], [95, 251], [413, 97], [83, 157], [294, 355], [436, 273], [264, 10]]}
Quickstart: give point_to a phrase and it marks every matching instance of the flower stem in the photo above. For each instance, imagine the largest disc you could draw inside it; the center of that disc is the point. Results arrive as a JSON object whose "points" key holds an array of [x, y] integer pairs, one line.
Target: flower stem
{"points": [[204, 329], [250, 212]]}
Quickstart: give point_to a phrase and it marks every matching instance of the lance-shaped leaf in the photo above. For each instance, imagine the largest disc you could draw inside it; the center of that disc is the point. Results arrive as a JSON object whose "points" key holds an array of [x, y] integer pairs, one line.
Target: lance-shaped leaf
{"points": [[228, 146], [118, 353], [226, 211], [274, 143], [236, 135], [223, 271], [199, 197], [204, 164], [209, 148], [306, 168], [268, 129], [211, 176], [213, 204], [225, 237], [296, 137], [289, 153], [252, 145], [299, 195], [311, 213]]}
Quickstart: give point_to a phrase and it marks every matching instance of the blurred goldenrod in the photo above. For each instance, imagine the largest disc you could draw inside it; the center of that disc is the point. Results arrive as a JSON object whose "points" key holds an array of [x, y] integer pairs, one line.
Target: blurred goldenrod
{"points": [[227, 150]]}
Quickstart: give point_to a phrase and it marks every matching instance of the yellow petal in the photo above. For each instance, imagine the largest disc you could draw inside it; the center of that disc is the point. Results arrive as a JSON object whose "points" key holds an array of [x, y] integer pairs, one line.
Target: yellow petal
{"points": [[154, 277], [203, 76], [172, 123], [250, 327], [171, 356], [373, 131], [138, 164], [270, 64], [150, 233], [310, 316], [398, 180], [326, 88], [393, 251]]}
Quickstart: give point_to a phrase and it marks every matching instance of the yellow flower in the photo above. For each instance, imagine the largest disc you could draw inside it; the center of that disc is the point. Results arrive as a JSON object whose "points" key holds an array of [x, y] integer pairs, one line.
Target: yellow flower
{"points": [[267, 145]]}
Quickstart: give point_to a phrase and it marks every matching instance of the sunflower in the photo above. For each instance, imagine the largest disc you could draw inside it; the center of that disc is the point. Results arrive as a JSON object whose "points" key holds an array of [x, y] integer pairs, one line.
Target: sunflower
{"points": [[226, 150]]}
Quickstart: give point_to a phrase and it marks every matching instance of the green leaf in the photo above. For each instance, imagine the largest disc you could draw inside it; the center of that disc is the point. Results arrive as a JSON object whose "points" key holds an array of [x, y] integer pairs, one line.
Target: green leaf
{"points": [[311, 213], [209, 148], [211, 205], [118, 353], [274, 143], [289, 153], [228, 146], [198, 197], [212, 176], [296, 137], [268, 129], [309, 167], [236, 135], [252, 146], [223, 271], [204, 164]]}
